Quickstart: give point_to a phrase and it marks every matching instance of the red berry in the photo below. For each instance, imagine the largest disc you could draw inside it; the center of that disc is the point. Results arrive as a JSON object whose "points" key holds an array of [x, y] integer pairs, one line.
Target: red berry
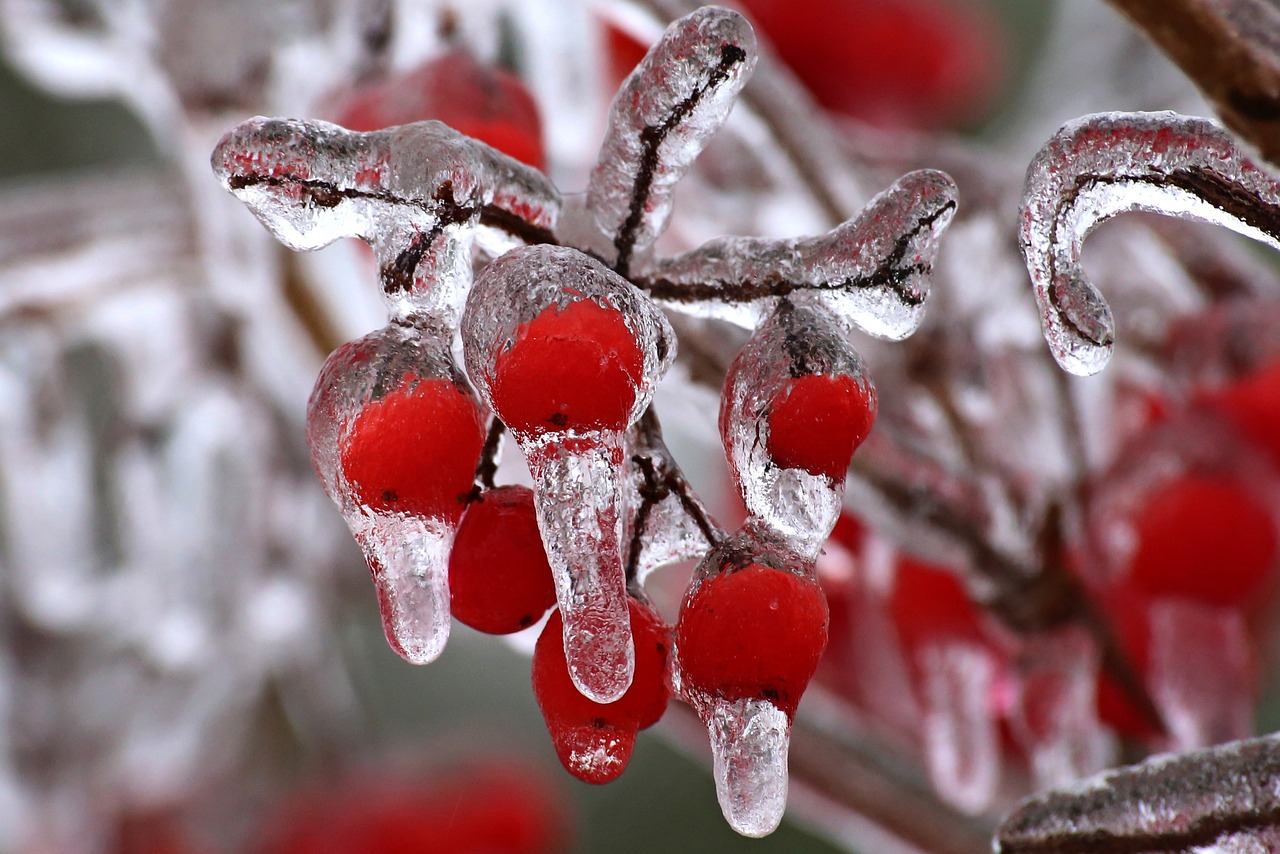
{"points": [[575, 368], [896, 63], [593, 740], [1203, 538], [499, 579], [415, 449], [752, 633], [930, 603], [481, 101], [816, 423], [1253, 405]]}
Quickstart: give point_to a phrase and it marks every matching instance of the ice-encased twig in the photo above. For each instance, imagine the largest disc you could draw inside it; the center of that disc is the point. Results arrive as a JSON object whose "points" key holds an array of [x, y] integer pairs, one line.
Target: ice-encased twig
{"points": [[664, 114], [416, 193], [668, 523], [1111, 163], [872, 270], [1171, 803]]}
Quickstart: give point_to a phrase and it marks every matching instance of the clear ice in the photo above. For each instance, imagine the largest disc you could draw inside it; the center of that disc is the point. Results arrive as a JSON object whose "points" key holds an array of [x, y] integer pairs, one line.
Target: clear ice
{"points": [[749, 743], [407, 553], [1106, 164], [873, 271], [579, 477], [798, 339], [416, 193], [962, 746], [662, 117]]}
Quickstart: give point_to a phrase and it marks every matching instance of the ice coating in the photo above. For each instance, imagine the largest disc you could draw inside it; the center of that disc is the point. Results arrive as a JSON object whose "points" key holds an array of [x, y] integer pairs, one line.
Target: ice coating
{"points": [[578, 474], [1226, 794], [406, 545], [416, 193], [661, 118], [962, 746], [1110, 163], [873, 270], [749, 744], [798, 340], [668, 523], [1201, 673], [1055, 717]]}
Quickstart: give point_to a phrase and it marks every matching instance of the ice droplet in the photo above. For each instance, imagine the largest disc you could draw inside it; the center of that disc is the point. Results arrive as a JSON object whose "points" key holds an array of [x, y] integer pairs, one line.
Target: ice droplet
{"points": [[961, 743], [1201, 673], [409, 560], [417, 193], [749, 743], [873, 271], [662, 117], [798, 340], [1110, 163], [519, 314]]}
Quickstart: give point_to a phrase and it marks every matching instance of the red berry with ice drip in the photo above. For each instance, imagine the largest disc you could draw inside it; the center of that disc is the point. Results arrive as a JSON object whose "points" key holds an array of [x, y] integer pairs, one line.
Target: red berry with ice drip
{"points": [[817, 421], [594, 740], [499, 578], [751, 632], [414, 450], [571, 368]]}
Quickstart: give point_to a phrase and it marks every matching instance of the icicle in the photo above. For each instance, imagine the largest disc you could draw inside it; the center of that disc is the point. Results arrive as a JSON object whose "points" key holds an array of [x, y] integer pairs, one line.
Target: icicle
{"points": [[567, 353], [797, 402], [662, 117], [873, 271], [962, 748], [416, 193], [1102, 165], [749, 744], [1176, 803], [1201, 672], [1055, 717], [396, 437]]}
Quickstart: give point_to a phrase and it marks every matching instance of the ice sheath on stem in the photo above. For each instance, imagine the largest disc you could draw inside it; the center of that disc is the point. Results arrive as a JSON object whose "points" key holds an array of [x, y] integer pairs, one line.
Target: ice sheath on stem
{"points": [[567, 353]]}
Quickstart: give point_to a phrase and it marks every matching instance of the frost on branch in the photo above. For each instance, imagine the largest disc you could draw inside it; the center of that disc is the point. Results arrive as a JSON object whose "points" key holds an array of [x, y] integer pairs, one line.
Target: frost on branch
{"points": [[665, 113], [417, 194], [1107, 164], [873, 271], [1221, 799]]}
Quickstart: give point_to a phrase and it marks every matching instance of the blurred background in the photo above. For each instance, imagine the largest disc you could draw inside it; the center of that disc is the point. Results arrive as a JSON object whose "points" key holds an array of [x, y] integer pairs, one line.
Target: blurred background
{"points": [[192, 658]]}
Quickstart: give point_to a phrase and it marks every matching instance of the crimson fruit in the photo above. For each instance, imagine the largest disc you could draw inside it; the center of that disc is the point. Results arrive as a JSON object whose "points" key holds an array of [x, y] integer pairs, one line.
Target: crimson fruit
{"points": [[752, 632], [573, 368], [415, 449], [475, 99], [816, 423], [499, 579], [593, 740], [1203, 538]]}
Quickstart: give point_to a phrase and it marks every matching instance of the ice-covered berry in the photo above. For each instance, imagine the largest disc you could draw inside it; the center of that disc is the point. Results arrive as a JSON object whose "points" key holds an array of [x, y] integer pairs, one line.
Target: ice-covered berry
{"points": [[1203, 538], [414, 450], [816, 422], [572, 368], [499, 579], [593, 740], [751, 632]]}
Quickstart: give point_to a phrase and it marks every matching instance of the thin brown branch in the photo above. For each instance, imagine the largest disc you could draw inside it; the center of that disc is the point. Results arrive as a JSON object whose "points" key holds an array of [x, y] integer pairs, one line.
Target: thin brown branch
{"points": [[1231, 50]]}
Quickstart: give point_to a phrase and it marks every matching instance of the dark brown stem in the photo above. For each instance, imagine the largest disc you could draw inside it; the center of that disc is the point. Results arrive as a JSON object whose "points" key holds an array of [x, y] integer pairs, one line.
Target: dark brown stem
{"points": [[488, 465]]}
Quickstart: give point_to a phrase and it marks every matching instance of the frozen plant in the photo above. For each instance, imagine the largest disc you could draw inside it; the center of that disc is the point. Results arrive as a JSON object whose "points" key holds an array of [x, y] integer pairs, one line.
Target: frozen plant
{"points": [[564, 342]]}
